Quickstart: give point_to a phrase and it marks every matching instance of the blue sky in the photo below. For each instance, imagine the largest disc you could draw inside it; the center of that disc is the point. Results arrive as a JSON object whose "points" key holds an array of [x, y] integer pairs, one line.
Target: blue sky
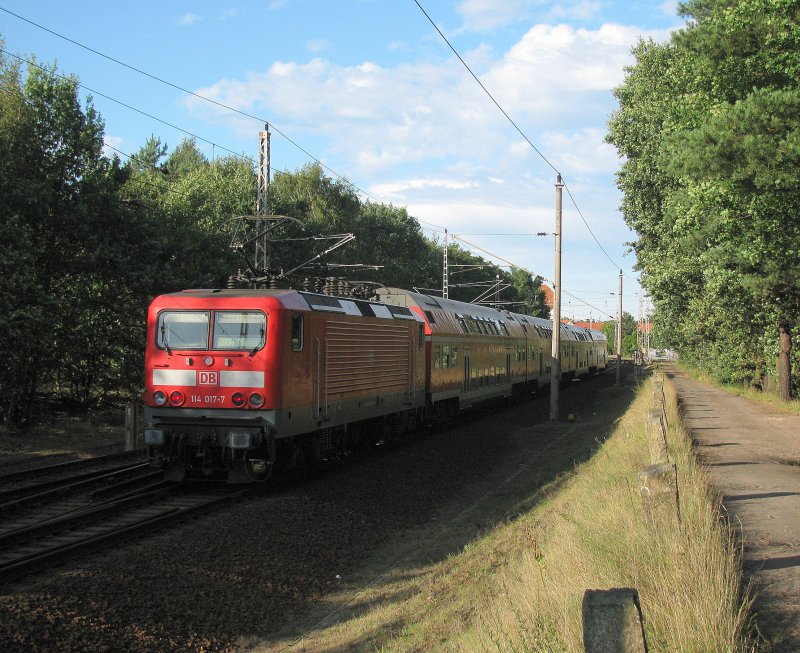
{"points": [[369, 88]]}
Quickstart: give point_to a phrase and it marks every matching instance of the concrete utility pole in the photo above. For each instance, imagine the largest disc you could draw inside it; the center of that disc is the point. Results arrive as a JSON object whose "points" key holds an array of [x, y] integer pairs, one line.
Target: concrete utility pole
{"points": [[445, 272], [555, 370], [619, 333]]}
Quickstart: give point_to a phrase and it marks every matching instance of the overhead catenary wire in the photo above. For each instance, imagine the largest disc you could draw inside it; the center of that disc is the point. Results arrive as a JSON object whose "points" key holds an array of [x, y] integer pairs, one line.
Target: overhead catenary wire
{"points": [[126, 105], [286, 136], [485, 90], [520, 132], [199, 96], [520, 267], [436, 228]]}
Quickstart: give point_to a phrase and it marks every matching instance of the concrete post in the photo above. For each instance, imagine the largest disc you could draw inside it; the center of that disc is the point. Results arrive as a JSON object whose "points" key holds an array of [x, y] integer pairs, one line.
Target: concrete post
{"points": [[612, 622], [656, 436], [131, 425], [658, 486], [658, 386], [660, 404]]}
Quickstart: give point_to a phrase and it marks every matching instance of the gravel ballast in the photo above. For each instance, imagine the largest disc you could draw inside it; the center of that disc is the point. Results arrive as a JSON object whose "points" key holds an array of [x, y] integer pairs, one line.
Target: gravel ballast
{"points": [[252, 570]]}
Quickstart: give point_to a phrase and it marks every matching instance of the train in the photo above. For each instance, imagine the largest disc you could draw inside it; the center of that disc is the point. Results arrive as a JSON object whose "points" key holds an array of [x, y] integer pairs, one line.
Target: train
{"points": [[241, 382]]}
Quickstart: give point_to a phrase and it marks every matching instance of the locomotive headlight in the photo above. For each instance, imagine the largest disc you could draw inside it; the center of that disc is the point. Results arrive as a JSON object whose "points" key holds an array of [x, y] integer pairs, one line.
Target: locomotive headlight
{"points": [[154, 437], [240, 439], [256, 400], [176, 398], [238, 399], [159, 398]]}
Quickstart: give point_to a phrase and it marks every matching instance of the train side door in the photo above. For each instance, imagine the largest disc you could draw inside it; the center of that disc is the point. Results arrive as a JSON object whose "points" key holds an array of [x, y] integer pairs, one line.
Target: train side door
{"points": [[465, 385]]}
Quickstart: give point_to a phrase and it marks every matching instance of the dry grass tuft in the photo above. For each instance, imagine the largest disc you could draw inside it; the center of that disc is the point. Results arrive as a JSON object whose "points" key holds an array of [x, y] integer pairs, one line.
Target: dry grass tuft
{"points": [[593, 535]]}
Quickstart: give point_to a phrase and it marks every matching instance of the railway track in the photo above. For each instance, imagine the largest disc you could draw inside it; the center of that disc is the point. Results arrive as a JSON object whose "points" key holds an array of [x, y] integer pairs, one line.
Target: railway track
{"points": [[43, 540], [54, 513], [63, 470], [16, 499]]}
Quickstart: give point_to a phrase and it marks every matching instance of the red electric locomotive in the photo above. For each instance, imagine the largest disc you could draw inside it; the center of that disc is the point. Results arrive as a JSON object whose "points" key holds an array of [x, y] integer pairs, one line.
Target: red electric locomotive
{"points": [[237, 380]]}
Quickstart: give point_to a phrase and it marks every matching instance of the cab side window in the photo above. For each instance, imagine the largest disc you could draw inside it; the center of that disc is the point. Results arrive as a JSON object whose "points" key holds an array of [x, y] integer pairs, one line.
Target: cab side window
{"points": [[297, 333]]}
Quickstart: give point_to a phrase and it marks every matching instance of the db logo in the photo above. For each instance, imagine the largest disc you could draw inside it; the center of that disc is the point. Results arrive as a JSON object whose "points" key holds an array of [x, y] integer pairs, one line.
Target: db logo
{"points": [[208, 378]]}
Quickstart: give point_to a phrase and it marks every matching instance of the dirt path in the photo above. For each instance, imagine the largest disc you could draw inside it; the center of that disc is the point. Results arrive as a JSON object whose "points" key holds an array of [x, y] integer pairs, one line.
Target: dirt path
{"points": [[752, 454]]}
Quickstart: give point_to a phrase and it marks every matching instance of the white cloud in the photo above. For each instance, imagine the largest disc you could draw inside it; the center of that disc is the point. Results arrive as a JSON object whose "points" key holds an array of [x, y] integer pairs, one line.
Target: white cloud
{"points": [[583, 151], [553, 65], [485, 15], [110, 142], [401, 185], [317, 45], [669, 8], [481, 216], [189, 19], [229, 13]]}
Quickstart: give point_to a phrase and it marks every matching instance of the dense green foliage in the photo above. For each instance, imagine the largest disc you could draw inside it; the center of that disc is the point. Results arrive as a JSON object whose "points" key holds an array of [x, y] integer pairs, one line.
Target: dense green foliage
{"points": [[709, 125], [629, 334], [88, 242]]}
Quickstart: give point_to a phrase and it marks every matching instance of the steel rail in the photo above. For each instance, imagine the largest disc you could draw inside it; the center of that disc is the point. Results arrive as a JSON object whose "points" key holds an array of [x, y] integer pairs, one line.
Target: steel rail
{"points": [[38, 560], [65, 466], [81, 517], [19, 497], [112, 490]]}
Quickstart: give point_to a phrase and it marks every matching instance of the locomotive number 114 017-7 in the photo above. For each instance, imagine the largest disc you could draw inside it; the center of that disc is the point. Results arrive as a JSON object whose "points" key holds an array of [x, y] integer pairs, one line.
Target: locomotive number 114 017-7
{"points": [[207, 399]]}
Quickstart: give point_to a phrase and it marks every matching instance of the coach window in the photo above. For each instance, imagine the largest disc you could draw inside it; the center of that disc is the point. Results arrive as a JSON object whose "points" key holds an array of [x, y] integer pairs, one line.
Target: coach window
{"points": [[297, 333], [421, 336]]}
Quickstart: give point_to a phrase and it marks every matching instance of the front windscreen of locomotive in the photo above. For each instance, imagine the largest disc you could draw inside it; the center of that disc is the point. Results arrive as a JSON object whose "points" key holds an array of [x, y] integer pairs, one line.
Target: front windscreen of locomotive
{"points": [[231, 330], [183, 329], [239, 330]]}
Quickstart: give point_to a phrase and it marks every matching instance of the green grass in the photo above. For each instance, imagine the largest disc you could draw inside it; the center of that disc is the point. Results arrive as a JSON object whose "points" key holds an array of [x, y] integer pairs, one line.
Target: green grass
{"points": [[520, 588]]}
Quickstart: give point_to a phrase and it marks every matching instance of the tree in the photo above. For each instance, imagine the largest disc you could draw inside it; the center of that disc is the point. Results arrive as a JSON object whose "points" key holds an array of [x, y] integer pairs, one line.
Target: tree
{"points": [[149, 155], [629, 327], [185, 158], [530, 289], [44, 136], [708, 127], [90, 242]]}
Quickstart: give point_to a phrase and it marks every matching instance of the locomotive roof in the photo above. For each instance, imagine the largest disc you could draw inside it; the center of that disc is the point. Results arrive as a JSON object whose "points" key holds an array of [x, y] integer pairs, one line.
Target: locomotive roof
{"points": [[300, 300], [233, 292]]}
